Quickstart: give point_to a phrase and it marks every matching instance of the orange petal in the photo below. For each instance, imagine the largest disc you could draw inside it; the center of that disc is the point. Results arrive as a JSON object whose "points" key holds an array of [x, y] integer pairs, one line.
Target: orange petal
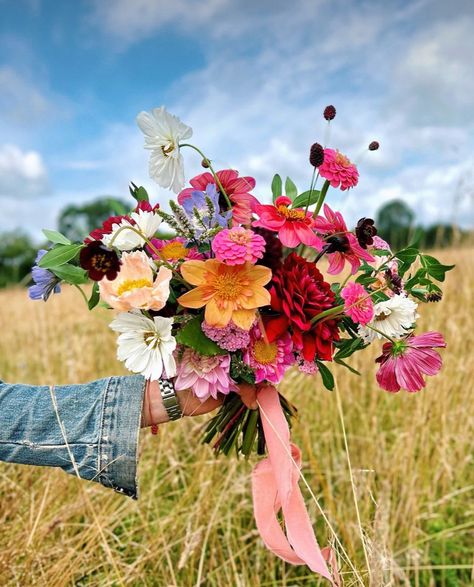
{"points": [[192, 299], [244, 318], [218, 316], [260, 297], [259, 274], [194, 272]]}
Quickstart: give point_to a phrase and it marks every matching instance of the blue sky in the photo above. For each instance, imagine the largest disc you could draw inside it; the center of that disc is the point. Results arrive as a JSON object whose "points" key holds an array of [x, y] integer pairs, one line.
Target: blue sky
{"points": [[251, 78]]}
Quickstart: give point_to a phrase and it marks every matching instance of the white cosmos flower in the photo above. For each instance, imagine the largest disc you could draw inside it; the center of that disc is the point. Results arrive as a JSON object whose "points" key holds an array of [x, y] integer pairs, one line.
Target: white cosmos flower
{"points": [[145, 346], [393, 317], [163, 132], [127, 240]]}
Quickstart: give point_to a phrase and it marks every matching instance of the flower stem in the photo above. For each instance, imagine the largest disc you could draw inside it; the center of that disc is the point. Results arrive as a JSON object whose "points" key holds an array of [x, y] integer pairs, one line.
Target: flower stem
{"points": [[337, 310], [392, 340], [321, 198], [82, 293], [311, 188]]}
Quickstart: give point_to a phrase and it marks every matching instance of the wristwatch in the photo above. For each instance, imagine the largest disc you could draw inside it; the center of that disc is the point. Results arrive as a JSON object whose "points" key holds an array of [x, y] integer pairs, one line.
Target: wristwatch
{"points": [[170, 399]]}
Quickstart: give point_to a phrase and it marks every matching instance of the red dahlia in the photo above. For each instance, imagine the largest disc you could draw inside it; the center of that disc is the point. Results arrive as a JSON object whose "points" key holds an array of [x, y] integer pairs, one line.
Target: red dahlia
{"points": [[107, 227], [298, 293]]}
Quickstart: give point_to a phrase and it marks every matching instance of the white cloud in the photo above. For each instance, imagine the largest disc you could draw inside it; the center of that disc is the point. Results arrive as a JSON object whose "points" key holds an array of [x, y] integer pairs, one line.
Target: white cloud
{"points": [[22, 173]]}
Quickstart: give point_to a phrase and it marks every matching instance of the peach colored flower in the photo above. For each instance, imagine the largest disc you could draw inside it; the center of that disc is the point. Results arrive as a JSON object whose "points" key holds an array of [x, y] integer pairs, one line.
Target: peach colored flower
{"points": [[134, 287], [229, 292]]}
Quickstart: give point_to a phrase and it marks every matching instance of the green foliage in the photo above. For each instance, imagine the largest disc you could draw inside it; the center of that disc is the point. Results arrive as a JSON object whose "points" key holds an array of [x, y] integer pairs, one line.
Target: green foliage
{"points": [[71, 274], [191, 335], [326, 375], [139, 193], [240, 371], [60, 255], [306, 199], [291, 190], [95, 296], [277, 186], [56, 237], [17, 256]]}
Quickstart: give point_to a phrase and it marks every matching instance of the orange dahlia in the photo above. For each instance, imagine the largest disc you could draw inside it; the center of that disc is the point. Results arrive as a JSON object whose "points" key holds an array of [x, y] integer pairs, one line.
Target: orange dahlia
{"points": [[229, 292]]}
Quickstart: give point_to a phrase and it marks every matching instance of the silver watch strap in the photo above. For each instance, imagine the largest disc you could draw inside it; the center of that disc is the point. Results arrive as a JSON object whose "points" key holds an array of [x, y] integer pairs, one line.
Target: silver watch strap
{"points": [[170, 400]]}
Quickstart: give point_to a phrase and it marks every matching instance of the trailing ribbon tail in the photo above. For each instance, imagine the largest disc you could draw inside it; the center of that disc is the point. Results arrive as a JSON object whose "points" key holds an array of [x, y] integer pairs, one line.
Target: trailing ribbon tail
{"points": [[275, 487]]}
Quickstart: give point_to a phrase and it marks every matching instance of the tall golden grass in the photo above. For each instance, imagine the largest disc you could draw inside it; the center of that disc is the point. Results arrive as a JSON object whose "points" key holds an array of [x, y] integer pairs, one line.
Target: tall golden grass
{"points": [[411, 457]]}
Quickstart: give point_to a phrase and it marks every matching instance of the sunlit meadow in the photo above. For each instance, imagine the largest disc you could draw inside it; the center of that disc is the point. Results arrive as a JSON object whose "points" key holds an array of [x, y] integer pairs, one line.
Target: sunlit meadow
{"points": [[411, 459]]}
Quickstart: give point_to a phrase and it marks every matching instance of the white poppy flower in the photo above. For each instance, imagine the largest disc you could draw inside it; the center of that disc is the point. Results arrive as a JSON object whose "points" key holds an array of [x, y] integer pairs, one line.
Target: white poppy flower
{"points": [[127, 240], [163, 132], [394, 317], [145, 346]]}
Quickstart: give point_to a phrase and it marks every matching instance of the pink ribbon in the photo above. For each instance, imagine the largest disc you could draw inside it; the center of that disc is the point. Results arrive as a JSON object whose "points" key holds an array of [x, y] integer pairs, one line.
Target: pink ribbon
{"points": [[275, 487]]}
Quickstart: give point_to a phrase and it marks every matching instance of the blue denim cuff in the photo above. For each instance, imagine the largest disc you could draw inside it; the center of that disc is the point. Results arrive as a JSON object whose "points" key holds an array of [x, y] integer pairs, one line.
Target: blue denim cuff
{"points": [[119, 434]]}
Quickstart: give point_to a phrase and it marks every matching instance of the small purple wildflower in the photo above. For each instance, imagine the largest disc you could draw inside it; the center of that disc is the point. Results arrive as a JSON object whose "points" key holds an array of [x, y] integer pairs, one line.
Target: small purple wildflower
{"points": [[197, 203], [46, 282]]}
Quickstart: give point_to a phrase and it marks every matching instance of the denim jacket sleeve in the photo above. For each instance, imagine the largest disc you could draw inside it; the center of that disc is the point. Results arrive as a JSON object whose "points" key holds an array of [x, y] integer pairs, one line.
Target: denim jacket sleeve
{"points": [[99, 430]]}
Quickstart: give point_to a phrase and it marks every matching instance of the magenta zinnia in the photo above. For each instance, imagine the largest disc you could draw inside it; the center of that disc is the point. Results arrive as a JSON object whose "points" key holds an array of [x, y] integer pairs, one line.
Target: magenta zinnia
{"points": [[338, 170], [269, 360], [357, 303], [236, 246], [403, 363]]}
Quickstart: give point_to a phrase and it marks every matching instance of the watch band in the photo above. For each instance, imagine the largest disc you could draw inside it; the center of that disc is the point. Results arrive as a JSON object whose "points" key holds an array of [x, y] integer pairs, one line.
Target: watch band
{"points": [[170, 399]]}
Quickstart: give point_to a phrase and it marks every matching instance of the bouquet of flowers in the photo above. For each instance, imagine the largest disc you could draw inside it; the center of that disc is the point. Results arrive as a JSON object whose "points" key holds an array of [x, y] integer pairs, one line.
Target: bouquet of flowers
{"points": [[225, 292]]}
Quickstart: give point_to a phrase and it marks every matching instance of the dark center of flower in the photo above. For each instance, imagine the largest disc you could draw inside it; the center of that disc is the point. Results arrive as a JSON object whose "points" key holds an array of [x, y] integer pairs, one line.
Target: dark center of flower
{"points": [[101, 262], [337, 243]]}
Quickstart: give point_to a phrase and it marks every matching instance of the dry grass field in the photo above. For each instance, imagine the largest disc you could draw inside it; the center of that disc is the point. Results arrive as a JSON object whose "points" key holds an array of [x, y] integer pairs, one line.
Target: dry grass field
{"points": [[411, 457]]}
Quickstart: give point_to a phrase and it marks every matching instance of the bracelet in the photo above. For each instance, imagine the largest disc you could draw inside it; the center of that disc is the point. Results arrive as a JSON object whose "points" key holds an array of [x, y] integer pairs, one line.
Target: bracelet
{"points": [[170, 399]]}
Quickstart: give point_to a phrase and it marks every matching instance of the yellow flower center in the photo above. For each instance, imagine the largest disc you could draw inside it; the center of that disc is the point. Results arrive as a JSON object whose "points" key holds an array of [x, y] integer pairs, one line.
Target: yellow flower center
{"points": [[291, 214], [166, 150], [227, 286], [130, 284], [265, 353], [152, 339], [241, 237], [174, 251], [342, 160]]}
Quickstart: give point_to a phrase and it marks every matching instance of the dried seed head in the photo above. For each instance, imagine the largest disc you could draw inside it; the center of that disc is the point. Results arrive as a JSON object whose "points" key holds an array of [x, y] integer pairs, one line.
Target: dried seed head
{"points": [[329, 112], [316, 155], [434, 296], [374, 145]]}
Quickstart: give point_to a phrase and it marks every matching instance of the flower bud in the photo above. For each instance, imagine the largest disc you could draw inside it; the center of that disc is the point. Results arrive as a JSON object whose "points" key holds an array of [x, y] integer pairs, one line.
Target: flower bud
{"points": [[316, 155], [329, 112], [205, 163], [374, 145], [433, 296]]}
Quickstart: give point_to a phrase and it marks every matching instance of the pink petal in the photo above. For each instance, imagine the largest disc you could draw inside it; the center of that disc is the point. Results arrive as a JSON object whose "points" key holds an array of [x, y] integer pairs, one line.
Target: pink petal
{"points": [[427, 339], [408, 374], [386, 376]]}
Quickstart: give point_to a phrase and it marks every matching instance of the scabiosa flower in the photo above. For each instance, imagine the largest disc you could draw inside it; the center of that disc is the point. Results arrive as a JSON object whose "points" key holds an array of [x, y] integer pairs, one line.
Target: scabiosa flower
{"points": [[329, 112], [146, 346], [238, 245], [341, 244], [173, 250], [338, 170], [237, 188], [393, 318], [163, 133], [209, 216], [357, 303], [374, 145], [135, 287], [293, 225], [269, 360], [403, 363], [316, 155], [99, 261], [298, 294], [206, 376], [230, 337], [46, 282], [365, 232]]}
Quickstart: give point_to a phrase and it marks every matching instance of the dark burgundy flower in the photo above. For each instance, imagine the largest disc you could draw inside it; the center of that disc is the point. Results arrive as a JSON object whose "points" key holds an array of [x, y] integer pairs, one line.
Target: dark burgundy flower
{"points": [[298, 294], [107, 228], [316, 155], [434, 296], [273, 249], [329, 112], [99, 261], [374, 145], [394, 281], [365, 232]]}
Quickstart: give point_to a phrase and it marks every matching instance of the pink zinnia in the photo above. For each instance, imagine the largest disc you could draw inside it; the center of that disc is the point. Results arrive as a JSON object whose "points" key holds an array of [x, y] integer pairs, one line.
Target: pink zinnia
{"points": [[271, 360], [238, 245], [357, 303], [230, 338], [173, 250], [206, 376], [237, 188], [294, 225], [403, 363], [338, 170], [334, 228]]}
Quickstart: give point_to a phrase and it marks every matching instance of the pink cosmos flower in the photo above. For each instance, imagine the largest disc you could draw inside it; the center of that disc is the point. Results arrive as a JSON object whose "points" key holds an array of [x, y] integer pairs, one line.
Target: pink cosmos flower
{"points": [[403, 363], [342, 244], [237, 188], [294, 225], [338, 170], [357, 305], [269, 361], [230, 338], [206, 376], [173, 250], [238, 245]]}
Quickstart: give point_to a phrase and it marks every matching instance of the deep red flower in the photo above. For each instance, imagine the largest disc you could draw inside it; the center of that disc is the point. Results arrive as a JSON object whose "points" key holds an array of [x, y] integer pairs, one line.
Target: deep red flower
{"points": [[107, 228], [298, 293], [237, 188], [99, 261]]}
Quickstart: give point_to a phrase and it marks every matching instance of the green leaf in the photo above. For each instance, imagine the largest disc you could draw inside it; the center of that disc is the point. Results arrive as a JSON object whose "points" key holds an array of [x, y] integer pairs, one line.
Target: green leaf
{"points": [[434, 268], [306, 199], [95, 296], [276, 186], [344, 364], [71, 274], [139, 193], [365, 279], [60, 255], [191, 335], [326, 375], [56, 237], [291, 191], [347, 347], [407, 255]]}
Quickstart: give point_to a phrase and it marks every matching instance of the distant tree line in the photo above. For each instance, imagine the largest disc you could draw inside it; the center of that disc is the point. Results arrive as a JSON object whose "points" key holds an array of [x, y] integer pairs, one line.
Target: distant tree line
{"points": [[395, 222]]}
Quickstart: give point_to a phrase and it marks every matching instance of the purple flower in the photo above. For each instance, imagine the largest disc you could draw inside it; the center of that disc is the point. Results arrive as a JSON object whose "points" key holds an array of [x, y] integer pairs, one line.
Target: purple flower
{"points": [[206, 206], [46, 282]]}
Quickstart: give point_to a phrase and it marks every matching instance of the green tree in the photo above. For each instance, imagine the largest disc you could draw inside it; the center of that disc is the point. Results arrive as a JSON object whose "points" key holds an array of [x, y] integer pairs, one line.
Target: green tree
{"points": [[76, 222], [17, 256], [395, 223]]}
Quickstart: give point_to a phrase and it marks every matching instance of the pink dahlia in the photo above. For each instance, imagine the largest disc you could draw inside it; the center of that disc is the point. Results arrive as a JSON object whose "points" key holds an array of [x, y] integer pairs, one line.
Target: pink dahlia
{"points": [[173, 250], [229, 338], [404, 362], [206, 376], [269, 360], [294, 225], [237, 188], [338, 170], [238, 245], [357, 303], [340, 244]]}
